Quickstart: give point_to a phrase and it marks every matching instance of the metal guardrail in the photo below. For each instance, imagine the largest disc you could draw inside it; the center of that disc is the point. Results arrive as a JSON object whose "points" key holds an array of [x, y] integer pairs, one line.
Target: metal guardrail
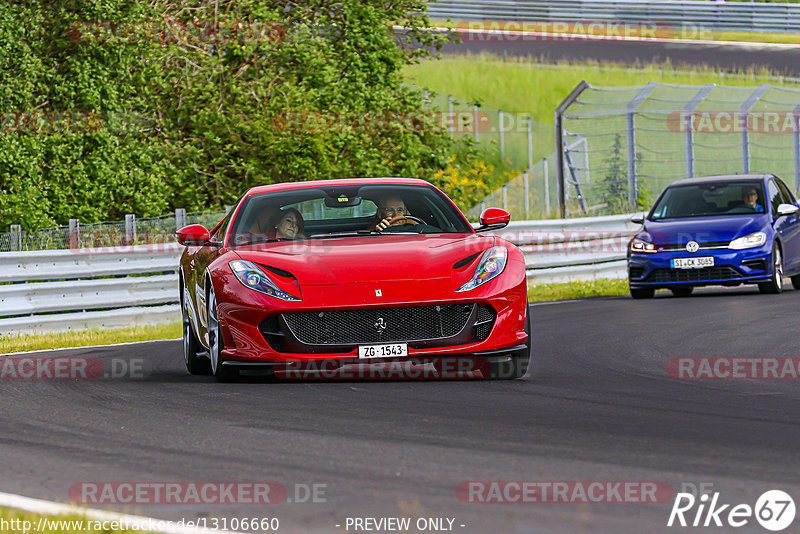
{"points": [[679, 15], [58, 290]]}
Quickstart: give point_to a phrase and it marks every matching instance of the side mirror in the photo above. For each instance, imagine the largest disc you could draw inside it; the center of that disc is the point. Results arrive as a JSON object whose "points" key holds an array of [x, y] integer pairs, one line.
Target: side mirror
{"points": [[193, 235], [493, 219], [787, 209], [639, 219]]}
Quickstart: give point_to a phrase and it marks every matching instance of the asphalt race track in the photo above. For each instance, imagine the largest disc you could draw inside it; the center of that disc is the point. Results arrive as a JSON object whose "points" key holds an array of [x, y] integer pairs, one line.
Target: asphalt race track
{"points": [[727, 57], [602, 408]]}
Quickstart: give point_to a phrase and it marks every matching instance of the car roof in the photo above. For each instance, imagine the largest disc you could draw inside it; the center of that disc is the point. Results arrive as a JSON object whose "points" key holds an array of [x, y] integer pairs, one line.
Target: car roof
{"points": [[284, 186], [721, 178]]}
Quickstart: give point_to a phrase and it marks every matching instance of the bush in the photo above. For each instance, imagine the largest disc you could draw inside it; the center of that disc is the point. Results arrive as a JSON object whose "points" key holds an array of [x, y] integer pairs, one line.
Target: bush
{"points": [[140, 106]]}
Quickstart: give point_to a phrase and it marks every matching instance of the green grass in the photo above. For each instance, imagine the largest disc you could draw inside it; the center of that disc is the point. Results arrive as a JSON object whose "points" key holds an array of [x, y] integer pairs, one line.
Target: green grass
{"points": [[534, 88], [705, 35], [19, 343], [79, 525], [577, 289]]}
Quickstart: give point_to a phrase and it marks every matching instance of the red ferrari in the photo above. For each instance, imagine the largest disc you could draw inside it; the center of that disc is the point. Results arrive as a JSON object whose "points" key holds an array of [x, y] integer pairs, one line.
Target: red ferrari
{"points": [[352, 272]]}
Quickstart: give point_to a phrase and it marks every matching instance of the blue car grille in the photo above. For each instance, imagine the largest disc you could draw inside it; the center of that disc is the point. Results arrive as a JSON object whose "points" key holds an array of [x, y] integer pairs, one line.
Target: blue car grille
{"points": [[722, 272]]}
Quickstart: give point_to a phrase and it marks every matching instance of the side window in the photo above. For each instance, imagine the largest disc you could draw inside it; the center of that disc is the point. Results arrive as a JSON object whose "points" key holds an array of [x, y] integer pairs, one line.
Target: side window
{"points": [[788, 198], [775, 196]]}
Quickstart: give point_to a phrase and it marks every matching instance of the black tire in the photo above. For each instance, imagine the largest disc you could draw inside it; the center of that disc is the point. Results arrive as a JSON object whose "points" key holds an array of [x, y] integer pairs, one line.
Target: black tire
{"points": [[642, 292], [222, 372], [684, 291], [796, 281], [518, 366], [193, 357], [775, 285]]}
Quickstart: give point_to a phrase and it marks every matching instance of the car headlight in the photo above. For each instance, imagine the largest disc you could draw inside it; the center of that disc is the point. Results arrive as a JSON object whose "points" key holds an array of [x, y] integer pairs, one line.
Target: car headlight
{"points": [[756, 239], [642, 247], [491, 265], [251, 275]]}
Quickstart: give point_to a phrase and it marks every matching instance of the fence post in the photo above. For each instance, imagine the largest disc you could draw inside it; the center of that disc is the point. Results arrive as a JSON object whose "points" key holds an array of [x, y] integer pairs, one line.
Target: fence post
{"points": [[16, 237], [483, 206], [450, 120], [502, 135], [688, 125], [527, 195], [74, 233], [180, 218], [546, 187], [559, 127], [752, 99], [425, 100], [475, 121], [530, 145], [130, 229], [630, 113], [505, 197]]}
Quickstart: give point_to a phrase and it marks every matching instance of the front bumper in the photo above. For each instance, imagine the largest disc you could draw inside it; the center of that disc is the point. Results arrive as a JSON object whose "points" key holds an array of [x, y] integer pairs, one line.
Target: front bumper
{"points": [[731, 267]]}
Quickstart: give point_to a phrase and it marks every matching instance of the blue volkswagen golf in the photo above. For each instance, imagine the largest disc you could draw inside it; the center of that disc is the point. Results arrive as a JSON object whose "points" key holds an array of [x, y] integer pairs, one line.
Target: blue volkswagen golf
{"points": [[717, 230]]}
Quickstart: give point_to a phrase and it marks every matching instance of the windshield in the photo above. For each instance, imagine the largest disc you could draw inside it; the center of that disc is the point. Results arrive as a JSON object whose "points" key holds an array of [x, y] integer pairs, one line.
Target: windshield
{"points": [[350, 211], [710, 200]]}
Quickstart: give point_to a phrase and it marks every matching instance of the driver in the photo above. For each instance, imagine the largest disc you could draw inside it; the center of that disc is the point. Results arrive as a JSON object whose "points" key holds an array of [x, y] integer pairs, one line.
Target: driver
{"points": [[750, 198], [389, 207]]}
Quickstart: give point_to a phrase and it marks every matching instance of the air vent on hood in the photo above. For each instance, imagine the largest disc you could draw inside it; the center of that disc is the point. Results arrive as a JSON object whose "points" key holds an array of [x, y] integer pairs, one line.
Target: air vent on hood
{"points": [[466, 261]]}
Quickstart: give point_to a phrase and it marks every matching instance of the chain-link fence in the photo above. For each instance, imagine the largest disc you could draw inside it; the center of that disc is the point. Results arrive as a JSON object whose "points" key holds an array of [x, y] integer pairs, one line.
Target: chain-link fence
{"points": [[131, 231], [513, 146], [636, 140]]}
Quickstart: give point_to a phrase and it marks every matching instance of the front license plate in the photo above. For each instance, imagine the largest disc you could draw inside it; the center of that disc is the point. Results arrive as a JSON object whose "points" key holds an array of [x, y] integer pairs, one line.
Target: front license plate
{"points": [[383, 351], [693, 263]]}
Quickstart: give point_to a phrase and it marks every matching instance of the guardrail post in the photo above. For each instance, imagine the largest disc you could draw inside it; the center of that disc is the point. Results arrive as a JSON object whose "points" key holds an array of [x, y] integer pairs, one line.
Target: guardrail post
{"points": [[16, 237], [527, 195], [530, 144], [450, 120], [74, 233], [505, 197], [502, 135], [180, 218], [546, 170], [425, 99], [475, 121], [130, 229]]}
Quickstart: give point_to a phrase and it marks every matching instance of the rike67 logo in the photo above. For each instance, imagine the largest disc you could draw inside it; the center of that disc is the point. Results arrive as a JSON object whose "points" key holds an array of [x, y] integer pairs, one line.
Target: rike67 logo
{"points": [[774, 510]]}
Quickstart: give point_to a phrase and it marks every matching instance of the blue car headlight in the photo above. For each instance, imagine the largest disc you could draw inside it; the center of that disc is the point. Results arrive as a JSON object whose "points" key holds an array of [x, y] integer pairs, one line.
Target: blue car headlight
{"points": [[756, 239], [640, 246], [251, 275], [491, 265]]}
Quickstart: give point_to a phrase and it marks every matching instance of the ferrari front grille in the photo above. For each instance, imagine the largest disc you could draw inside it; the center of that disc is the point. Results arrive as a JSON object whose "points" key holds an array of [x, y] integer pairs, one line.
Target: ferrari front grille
{"points": [[379, 325]]}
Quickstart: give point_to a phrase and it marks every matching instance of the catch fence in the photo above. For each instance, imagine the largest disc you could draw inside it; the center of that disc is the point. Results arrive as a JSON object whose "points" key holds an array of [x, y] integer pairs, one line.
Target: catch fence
{"points": [[636, 140]]}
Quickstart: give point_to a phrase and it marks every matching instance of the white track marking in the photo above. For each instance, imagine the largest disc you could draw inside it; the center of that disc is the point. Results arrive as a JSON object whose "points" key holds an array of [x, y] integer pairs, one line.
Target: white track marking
{"points": [[90, 346]]}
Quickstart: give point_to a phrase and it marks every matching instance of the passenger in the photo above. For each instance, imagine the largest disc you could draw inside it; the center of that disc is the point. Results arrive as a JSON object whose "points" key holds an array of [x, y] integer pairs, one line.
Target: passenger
{"points": [[290, 225], [750, 198]]}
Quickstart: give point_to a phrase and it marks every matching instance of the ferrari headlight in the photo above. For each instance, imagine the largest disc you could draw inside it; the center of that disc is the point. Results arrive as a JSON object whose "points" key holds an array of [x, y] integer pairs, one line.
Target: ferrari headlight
{"points": [[756, 239], [640, 246], [491, 265], [251, 275]]}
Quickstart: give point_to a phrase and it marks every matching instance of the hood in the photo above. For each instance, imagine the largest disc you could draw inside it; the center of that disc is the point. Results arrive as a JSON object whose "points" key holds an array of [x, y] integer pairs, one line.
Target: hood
{"points": [[701, 229], [370, 258]]}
